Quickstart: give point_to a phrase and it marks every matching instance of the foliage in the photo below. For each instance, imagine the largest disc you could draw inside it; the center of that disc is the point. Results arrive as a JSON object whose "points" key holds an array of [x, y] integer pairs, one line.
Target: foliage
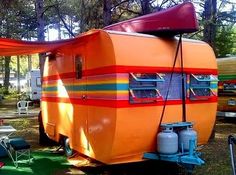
{"points": [[1, 90], [225, 40], [16, 18], [24, 64], [20, 19]]}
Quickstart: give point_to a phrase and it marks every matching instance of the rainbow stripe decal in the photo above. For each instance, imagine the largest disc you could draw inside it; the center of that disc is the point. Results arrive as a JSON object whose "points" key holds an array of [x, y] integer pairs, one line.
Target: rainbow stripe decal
{"points": [[109, 86], [108, 90]]}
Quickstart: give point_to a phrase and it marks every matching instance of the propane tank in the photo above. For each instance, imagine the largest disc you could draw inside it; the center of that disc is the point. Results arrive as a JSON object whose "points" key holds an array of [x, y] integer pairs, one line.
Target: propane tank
{"points": [[184, 137], [167, 141]]}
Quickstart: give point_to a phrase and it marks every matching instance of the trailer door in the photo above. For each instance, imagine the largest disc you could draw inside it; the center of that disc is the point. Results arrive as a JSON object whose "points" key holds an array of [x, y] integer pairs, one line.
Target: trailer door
{"points": [[80, 106]]}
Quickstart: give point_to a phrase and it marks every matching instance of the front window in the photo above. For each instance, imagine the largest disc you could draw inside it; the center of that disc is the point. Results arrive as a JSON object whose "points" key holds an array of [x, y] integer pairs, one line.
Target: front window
{"points": [[202, 87]]}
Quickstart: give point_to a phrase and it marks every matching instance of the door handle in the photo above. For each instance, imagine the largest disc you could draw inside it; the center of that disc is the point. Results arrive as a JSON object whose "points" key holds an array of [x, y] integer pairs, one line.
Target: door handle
{"points": [[84, 97]]}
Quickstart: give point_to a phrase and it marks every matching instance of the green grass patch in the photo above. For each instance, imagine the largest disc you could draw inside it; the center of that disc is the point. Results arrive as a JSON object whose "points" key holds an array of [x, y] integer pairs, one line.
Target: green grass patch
{"points": [[43, 163]]}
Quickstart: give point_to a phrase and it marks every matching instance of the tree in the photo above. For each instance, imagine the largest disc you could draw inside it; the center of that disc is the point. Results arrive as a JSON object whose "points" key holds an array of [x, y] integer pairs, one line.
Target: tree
{"points": [[12, 26], [107, 14], [145, 6], [209, 17], [225, 41], [39, 9], [6, 83]]}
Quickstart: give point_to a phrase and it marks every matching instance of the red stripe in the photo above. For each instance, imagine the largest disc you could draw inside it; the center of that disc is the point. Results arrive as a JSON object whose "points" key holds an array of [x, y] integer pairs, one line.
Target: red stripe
{"points": [[121, 103], [145, 69], [128, 69], [59, 76], [226, 81]]}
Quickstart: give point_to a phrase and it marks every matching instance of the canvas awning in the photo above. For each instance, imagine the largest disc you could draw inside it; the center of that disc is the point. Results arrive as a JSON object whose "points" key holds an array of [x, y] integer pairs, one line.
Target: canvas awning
{"points": [[12, 47]]}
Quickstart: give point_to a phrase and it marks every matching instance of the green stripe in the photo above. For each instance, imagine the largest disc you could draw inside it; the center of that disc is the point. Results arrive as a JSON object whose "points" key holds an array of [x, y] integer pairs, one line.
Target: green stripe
{"points": [[226, 77], [99, 87]]}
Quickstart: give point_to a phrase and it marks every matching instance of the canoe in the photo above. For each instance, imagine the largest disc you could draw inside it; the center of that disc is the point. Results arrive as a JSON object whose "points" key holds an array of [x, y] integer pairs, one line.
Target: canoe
{"points": [[176, 20]]}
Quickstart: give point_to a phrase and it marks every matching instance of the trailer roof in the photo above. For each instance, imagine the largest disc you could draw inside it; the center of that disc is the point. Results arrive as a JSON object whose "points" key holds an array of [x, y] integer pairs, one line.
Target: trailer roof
{"points": [[12, 47]]}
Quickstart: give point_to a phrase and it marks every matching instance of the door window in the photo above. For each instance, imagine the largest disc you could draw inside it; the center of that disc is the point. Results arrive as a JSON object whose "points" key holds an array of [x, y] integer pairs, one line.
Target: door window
{"points": [[78, 67]]}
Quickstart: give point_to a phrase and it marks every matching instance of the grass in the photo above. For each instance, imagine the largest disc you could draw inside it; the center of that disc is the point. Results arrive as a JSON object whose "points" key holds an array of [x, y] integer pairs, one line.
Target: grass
{"points": [[215, 153], [43, 163]]}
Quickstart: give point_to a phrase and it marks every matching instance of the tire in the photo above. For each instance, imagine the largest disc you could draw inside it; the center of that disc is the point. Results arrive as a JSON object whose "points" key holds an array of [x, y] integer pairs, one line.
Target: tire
{"points": [[67, 149]]}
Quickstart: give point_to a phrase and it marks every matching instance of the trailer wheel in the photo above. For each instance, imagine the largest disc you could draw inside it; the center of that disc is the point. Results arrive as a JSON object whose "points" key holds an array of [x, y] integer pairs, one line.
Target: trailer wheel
{"points": [[68, 150]]}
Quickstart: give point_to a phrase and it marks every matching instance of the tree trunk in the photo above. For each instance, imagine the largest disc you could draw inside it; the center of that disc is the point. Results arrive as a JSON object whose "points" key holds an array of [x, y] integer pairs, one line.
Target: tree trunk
{"points": [[40, 20], [82, 24], [7, 74], [209, 16], [146, 7], [107, 12], [18, 74], [29, 63], [40, 30], [59, 30]]}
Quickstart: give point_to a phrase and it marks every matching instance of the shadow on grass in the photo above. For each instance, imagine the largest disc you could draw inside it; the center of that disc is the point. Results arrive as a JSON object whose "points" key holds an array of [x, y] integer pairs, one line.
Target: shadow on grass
{"points": [[139, 168], [43, 163]]}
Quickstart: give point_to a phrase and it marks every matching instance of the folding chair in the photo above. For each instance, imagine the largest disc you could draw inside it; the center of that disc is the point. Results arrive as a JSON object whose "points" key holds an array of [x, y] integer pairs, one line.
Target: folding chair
{"points": [[1, 164], [18, 147], [232, 142], [22, 107]]}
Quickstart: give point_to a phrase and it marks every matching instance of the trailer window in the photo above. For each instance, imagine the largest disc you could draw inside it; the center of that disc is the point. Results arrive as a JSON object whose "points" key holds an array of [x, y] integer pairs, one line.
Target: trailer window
{"points": [[78, 67], [38, 81], [52, 57], [202, 87], [143, 87], [229, 86]]}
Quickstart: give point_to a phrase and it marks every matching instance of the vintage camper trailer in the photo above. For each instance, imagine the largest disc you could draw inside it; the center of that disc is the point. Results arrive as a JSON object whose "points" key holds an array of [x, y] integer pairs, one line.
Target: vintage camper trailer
{"points": [[33, 85], [227, 87], [106, 93]]}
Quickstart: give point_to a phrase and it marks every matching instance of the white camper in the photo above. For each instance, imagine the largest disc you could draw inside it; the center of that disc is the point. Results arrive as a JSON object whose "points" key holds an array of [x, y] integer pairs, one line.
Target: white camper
{"points": [[33, 85]]}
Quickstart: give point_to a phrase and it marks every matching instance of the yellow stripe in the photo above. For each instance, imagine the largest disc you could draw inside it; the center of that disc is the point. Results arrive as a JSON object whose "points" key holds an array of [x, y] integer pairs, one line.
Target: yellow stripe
{"points": [[103, 82], [101, 92], [89, 82]]}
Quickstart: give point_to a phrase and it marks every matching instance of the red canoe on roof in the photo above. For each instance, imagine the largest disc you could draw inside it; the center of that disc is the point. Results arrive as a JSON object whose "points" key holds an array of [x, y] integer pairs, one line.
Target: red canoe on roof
{"points": [[176, 20]]}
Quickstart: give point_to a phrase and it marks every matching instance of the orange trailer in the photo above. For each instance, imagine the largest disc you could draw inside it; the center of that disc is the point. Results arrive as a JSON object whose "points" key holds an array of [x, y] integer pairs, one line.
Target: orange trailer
{"points": [[105, 92]]}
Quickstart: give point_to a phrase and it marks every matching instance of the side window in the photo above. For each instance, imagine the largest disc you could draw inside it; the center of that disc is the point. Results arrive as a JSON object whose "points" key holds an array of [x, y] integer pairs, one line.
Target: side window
{"points": [[78, 67], [38, 81], [229, 86]]}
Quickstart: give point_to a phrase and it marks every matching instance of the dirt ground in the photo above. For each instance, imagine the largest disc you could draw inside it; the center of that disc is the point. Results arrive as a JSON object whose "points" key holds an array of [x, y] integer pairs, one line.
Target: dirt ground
{"points": [[215, 153]]}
